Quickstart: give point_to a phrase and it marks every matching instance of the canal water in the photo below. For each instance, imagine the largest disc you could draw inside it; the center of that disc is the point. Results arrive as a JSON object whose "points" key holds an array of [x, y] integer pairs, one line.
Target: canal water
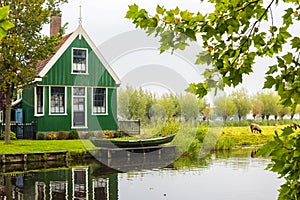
{"points": [[230, 175]]}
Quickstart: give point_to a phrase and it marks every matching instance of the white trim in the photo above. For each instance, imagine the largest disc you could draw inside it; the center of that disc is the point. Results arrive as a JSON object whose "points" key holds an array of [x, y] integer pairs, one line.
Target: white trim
{"points": [[1, 116], [87, 61], [86, 181], [85, 109], [106, 102], [37, 80], [36, 190], [79, 31], [35, 102], [106, 180], [59, 182], [16, 102], [66, 95]]}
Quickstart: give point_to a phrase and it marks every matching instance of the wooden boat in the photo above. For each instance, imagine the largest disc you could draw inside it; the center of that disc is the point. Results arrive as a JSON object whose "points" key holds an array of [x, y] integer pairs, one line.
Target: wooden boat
{"points": [[101, 142]]}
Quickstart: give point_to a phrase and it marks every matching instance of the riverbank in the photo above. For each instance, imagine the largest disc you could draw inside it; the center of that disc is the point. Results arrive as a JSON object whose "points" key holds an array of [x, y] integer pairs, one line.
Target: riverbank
{"points": [[222, 138], [32, 146]]}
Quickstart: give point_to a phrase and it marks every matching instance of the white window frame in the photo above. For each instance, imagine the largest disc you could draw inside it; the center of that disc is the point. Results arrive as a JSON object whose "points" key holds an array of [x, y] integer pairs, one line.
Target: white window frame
{"points": [[85, 104], [65, 183], [1, 116], [66, 95], [106, 101], [36, 101], [106, 181], [85, 170], [87, 62], [36, 190]]}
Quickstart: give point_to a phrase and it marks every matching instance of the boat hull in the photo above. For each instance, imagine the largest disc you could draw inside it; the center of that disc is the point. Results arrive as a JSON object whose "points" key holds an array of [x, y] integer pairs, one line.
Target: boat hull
{"points": [[99, 142]]}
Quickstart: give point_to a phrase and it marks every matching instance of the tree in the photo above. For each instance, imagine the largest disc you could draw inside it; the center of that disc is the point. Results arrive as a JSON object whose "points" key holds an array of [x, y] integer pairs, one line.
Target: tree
{"points": [[224, 107], [233, 35], [257, 107], [171, 105], [123, 102], [137, 104], [23, 47], [5, 24], [270, 104], [189, 107], [242, 103]]}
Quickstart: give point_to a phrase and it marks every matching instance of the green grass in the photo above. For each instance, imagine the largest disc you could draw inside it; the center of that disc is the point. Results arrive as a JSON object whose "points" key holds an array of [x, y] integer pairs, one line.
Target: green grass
{"points": [[241, 136], [31, 146]]}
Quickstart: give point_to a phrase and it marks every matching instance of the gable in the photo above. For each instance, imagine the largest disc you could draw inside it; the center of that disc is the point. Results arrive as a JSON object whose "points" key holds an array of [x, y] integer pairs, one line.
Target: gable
{"points": [[57, 69]]}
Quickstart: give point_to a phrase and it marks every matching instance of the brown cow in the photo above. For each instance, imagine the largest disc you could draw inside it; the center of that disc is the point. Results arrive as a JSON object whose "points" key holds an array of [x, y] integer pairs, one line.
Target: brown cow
{"points": [[255, 127]]}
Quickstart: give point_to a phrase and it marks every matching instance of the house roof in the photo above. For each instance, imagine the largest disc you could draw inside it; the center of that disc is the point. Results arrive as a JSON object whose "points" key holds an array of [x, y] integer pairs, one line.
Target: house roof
{"points": [[44, 66]]}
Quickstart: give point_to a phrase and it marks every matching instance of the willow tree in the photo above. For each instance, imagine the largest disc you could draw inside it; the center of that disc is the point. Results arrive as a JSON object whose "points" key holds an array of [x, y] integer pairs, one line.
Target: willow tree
{"points": [[233, 35], [23, 46]]}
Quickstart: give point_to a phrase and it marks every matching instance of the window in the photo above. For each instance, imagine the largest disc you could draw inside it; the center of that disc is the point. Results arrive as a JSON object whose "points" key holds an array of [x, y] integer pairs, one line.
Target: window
{"points": [[80, 61], [99, 101], [39, 100], [79, 105], [57, 101]]}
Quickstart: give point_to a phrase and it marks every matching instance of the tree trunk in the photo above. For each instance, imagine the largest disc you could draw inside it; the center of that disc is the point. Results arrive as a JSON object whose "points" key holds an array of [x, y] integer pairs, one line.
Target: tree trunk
{"points": [[8, 187], [8, 114], [240, 117], [254, 115]]}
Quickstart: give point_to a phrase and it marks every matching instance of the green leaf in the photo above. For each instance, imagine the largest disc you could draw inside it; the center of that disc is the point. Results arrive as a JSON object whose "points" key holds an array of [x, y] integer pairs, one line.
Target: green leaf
{"points": [[4, 12], [296, 43], [272, 69], [288, 58], [287, 131], [200, 89], [6, 25], [270, 82], [191, 34], [160, 10]]}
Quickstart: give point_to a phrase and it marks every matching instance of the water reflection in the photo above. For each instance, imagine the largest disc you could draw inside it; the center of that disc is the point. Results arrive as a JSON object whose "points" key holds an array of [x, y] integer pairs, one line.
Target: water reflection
{"points": [[224, 175]]}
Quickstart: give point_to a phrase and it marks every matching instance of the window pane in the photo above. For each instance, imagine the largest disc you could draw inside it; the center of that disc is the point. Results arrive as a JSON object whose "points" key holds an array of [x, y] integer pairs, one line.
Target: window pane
{"points": [[57, 100], [79, 60], [78, 91], [39, 98], [99, 100]]}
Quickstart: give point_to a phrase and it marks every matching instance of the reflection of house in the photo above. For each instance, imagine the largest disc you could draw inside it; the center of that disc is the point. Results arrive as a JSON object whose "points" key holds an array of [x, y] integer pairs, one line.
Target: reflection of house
{"points": [[76, 88], [77, 184]]}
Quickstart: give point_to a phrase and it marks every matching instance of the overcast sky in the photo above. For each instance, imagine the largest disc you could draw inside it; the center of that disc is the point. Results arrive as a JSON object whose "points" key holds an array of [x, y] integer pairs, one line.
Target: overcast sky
{"points": [[105, 23]]}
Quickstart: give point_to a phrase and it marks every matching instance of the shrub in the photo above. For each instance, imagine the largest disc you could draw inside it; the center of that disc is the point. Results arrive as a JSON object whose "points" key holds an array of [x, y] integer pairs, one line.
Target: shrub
{"points": [[62, 135], [169, 128], [73, 135], [41, 136], [51, 136], [12, 135], [108, 133]]}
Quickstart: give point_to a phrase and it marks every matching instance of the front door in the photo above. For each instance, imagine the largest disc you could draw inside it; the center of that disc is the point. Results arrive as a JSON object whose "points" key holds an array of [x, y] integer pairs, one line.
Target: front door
{"points": [[79, 107]]}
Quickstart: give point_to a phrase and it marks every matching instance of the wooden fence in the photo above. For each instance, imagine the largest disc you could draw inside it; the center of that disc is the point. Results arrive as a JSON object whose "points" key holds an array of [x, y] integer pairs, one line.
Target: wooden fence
{"points": [[130, 127], [23, 131]]}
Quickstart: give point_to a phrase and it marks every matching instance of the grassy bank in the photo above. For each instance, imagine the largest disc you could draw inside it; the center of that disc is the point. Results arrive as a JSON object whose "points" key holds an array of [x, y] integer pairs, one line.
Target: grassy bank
{"points": [[30, 146], [188, 139], [205, 138]]}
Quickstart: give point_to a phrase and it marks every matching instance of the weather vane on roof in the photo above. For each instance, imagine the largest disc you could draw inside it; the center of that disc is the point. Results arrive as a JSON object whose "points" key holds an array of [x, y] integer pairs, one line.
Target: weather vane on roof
{"points": [[80, 17]]}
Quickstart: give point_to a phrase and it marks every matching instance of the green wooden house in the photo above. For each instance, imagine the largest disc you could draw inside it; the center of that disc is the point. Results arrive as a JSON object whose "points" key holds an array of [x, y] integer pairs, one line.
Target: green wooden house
{"points": [[76, 89]]}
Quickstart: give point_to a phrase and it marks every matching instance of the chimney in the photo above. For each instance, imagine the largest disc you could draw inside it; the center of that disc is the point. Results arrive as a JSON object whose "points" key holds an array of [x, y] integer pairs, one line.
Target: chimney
{"points": [[55, 25]]}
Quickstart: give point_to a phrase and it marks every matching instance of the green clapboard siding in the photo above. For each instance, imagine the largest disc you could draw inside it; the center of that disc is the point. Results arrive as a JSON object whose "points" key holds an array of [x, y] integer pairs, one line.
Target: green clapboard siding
{"points": [[60, 73], [48, 122]]}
